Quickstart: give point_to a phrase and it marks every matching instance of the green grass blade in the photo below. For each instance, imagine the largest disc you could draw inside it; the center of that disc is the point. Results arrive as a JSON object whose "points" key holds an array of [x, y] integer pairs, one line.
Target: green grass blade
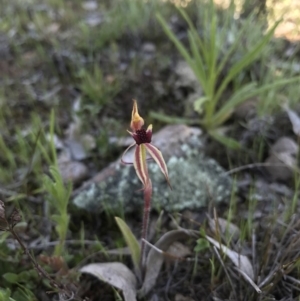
{"points": [[247, 92], [199, 69], [183, 51], [226, 110], [172, 119], [131, 242], [228, 142], [52, 130], [246, 60], [213, 50], [233, 47], [195, 34]]}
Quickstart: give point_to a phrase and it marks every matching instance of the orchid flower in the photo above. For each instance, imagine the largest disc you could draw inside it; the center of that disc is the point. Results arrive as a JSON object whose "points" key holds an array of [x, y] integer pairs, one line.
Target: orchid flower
{"points": [[143, 146]]}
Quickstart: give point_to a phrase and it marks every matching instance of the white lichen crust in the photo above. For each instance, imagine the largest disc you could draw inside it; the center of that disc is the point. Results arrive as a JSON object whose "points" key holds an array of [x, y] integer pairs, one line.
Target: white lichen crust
{"points": [[196, 180]]}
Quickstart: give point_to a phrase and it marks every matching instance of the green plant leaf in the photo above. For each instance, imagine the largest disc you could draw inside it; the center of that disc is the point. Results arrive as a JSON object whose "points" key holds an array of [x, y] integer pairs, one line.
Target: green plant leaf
{"points": [[226, 110], [23, 293], [11, 277], [174, 39], [59, 195], [234, 46], [228, 142], [245, 93], [172, 119], [198, 104], [5, 295], [131, 242], [202, 244], [199, 64]]}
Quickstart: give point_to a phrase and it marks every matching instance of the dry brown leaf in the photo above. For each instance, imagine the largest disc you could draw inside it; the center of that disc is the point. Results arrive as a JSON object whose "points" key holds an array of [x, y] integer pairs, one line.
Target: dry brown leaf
{"points": [[57, 263], [240, 261], [156, 259], [116, 274]]}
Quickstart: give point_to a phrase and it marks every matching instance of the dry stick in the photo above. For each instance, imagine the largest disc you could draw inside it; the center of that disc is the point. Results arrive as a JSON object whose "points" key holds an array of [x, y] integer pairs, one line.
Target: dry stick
{"points": [[254, 252], [48, 244], [226, 272], [253, 165], [166, 254], [276, 268], [42, 273]]}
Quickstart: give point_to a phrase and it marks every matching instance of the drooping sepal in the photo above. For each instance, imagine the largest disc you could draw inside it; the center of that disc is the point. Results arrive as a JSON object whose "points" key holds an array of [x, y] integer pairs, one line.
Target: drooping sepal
{"points": [[140, 164], [126, 150], [156, 154]]}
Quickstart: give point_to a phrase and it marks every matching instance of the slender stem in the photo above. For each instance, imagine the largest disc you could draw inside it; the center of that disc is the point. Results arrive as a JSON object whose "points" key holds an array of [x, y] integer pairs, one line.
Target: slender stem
{"points": [[38, 268], [144, 235], [147, 208]]}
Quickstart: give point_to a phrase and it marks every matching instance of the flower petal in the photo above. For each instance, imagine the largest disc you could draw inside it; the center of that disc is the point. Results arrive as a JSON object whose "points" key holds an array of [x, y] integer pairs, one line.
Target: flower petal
{"points": [[140, 164], [126, 150], [156, 154]]}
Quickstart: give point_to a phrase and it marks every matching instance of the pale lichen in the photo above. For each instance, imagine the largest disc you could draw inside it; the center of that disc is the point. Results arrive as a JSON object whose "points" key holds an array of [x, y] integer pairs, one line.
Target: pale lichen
{"points": [[196, 180]]}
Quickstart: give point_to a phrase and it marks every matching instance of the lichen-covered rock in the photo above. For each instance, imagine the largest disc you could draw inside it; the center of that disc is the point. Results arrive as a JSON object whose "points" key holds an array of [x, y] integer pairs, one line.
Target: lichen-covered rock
{"points": [[195, 180]]}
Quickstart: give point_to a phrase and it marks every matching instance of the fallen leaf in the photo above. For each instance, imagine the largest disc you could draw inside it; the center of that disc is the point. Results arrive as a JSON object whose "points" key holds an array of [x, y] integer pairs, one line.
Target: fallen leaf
{"points": [[116, 274], [240, 261], [155, 259]]}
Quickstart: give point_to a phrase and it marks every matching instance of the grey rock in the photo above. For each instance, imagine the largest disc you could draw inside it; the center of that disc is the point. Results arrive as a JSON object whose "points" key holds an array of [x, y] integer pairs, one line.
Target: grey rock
{"points": [[196, 180], [73, 171], [282, 161]]}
